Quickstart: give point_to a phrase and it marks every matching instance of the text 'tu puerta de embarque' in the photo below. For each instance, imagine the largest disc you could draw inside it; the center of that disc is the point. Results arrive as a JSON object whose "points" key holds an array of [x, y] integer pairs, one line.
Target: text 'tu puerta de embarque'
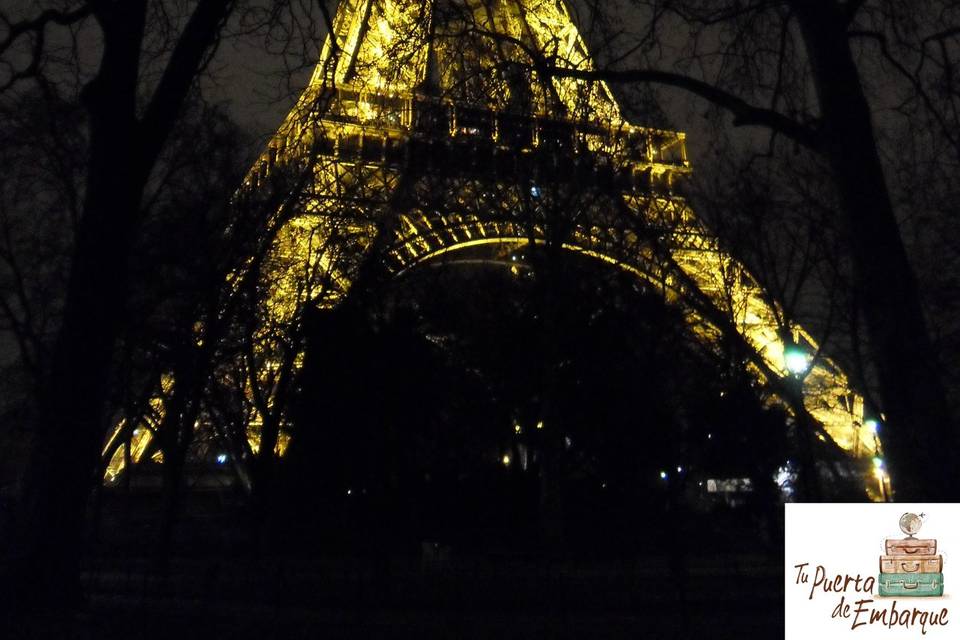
{"points": [[864, 612]]}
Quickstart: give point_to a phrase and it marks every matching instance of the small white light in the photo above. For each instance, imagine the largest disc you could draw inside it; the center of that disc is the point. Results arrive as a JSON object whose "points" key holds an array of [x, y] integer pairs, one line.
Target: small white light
{"points": [[663, 475], [796, 361], [506, 460], [516, 428], [535, 191], [709, 436], [871, 425], [679, 469], [540, 425], [878, 463], [783, 476], [221, 458], [349, 492]]}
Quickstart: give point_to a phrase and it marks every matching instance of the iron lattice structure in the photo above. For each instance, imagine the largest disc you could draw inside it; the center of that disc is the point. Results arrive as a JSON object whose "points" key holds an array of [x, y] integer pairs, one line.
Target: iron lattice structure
{"points": [[431, 127]]}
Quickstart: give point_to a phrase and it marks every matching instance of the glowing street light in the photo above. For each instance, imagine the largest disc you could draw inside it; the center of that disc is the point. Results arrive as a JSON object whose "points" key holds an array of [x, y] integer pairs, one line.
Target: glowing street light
{"points": [[506, 460], [663, 475], [796, 359], [797, 356]]}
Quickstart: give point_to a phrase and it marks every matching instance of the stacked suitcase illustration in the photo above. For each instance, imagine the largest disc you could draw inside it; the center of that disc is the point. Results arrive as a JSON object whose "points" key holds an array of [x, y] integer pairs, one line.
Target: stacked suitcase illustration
{"points": [[911, 568]]}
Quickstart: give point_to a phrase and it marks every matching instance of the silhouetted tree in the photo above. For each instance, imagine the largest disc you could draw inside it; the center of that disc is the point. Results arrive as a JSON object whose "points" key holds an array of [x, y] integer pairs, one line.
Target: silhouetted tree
{"points": [[148, 58]]}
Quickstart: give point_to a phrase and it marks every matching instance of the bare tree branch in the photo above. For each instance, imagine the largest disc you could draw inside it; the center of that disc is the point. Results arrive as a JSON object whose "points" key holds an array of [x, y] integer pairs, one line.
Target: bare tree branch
{"points": [[38, 24], [744, 113], [945, 128], [180, 73]]}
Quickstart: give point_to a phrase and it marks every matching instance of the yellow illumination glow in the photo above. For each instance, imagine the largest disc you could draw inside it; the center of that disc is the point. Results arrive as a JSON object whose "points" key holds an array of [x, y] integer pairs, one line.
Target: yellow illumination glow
{"points": [[371, 88]]}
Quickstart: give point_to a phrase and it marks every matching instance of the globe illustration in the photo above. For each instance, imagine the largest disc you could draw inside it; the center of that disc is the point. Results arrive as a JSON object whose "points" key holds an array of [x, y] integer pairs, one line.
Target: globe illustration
{"points": [[910, 523]]}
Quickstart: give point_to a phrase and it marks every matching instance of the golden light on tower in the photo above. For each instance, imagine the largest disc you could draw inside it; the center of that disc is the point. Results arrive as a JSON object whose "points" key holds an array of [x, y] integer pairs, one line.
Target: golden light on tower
{"points": [[415, 130]]}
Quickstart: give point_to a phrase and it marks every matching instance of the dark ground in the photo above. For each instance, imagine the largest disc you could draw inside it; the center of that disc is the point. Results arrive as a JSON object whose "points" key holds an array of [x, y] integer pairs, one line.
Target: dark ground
{"points": [[718, 597], [218, 584]]}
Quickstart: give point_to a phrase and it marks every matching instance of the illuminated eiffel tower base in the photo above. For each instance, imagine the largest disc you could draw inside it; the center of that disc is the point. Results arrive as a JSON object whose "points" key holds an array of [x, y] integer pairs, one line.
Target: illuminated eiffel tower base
{"points": [[426, 131]]}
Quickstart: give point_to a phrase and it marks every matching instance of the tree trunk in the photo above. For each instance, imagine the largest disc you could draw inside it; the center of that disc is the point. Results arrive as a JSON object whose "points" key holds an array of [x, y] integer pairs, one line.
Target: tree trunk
{"points": [[71, 428], [549, 268], [918, 431], [174, 459], [70, 433]]}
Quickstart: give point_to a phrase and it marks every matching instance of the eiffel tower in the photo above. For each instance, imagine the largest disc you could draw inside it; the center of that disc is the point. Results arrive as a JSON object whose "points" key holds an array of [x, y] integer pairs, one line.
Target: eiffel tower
{"points": [[429, 129]]}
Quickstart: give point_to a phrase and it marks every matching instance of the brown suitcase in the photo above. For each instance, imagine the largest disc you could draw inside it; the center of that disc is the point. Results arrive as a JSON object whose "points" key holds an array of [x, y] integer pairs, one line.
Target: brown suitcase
{"points": [[911, 564], [911, 547]]}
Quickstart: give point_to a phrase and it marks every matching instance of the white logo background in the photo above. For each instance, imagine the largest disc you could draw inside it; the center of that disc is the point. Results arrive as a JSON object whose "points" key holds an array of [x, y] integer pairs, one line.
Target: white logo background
{"points": [[847, 539]]}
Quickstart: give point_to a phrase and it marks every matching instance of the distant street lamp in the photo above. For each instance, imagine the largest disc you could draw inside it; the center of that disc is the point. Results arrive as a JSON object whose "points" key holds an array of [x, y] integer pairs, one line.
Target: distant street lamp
{"points": [[798, 361]]}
